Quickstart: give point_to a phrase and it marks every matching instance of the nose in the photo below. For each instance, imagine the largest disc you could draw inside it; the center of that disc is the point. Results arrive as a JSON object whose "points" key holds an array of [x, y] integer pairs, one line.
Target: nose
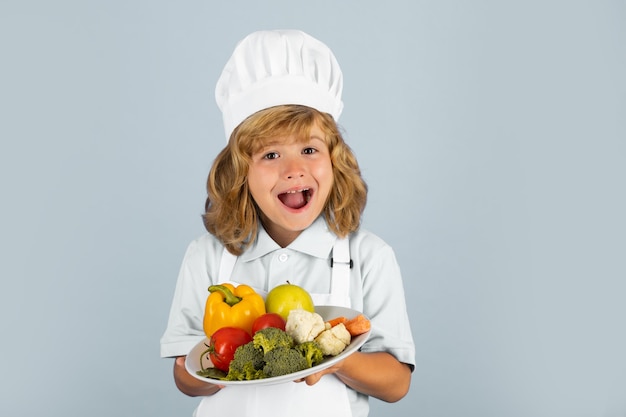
{"points": [[292, 168]]}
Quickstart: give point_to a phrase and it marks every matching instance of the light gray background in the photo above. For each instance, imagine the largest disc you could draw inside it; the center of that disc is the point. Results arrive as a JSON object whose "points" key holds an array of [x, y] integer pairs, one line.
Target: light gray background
{"points": [[492, 135]]}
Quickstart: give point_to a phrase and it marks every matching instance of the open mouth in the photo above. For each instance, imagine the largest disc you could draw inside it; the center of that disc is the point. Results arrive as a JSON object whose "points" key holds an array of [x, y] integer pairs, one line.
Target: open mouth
{"points": [[295, 199]]}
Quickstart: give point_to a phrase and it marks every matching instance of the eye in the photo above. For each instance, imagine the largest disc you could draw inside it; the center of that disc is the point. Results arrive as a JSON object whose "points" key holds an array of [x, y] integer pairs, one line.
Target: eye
{"points": [[309, 151], [270, 155]]}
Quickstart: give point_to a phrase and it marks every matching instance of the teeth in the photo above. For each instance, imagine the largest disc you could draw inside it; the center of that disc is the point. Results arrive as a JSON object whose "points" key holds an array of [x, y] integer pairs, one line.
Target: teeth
{"points": [[297, 191]]}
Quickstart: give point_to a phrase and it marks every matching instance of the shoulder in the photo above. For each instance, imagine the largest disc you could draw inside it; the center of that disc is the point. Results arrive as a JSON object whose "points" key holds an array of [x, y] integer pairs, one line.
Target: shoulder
{"points": [[371, 252], [206, 246], [366, 243], [202, 259]]}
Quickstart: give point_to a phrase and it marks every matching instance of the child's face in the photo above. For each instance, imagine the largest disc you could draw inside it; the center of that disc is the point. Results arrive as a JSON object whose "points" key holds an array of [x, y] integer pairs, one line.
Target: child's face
{"points": [[290, 181]]}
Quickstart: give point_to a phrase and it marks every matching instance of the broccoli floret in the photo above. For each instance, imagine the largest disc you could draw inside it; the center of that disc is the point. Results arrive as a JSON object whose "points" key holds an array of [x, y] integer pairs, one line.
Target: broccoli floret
{"points": [[282, 361], [247, 373], [311, 351], [271, 338], [247, 364]]}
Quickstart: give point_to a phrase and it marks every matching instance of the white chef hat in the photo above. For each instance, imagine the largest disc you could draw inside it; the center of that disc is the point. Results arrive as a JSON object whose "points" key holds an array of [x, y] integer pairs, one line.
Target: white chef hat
{"points": [[271, 68]]}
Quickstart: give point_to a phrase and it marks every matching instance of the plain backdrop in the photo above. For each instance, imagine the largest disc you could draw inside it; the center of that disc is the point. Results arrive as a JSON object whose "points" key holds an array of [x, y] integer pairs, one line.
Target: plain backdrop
{"points": [[492, 135]]}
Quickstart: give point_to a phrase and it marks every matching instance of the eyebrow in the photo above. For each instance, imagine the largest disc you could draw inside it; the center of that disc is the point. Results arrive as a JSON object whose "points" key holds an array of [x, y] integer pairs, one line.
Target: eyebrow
{"points": [[302, 139]]}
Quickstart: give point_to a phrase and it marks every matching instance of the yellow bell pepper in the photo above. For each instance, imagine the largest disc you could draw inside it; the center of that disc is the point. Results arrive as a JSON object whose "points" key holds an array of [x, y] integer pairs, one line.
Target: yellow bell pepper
{"points": [[230, 306]]}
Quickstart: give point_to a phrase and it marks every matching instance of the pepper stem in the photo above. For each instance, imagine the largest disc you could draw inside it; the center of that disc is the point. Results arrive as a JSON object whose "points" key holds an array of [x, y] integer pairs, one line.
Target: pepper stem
{"points": [[229, 298], [209, 349]]}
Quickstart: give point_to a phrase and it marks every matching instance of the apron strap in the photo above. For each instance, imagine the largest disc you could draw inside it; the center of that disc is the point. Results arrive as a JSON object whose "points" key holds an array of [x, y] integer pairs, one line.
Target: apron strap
{"points": [[341, 263], [227, 264]]}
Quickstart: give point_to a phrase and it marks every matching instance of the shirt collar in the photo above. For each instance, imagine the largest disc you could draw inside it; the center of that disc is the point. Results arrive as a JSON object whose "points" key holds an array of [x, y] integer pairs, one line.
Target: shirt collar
{"points": [[316, 240]]}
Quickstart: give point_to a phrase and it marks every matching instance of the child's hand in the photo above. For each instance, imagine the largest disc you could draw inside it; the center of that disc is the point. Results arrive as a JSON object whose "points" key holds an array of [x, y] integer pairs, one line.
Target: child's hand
{"points": [[189, 385], [314, 378]]}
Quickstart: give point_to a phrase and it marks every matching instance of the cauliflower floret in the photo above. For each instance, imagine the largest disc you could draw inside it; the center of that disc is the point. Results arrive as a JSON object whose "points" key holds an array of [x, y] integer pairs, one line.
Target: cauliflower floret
{"points": [[334, 340], [304, 326]]}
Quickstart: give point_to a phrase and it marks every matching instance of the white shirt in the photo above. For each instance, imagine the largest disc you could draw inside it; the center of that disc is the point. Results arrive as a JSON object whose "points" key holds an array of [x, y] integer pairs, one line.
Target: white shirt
{"points": [[375, 287]]}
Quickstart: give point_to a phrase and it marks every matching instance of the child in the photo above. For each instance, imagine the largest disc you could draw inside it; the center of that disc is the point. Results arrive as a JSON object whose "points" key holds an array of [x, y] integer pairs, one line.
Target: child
{"points": [[284, 202]]}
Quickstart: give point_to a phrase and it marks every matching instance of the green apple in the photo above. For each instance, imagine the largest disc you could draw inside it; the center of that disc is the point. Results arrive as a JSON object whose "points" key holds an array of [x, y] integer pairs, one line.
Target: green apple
{"points": [[286, 297]]}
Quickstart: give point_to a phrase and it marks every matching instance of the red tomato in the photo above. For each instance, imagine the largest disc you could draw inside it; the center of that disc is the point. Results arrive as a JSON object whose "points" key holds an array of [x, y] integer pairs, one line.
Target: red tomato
{"points": [[223, 343], [268, 320]]}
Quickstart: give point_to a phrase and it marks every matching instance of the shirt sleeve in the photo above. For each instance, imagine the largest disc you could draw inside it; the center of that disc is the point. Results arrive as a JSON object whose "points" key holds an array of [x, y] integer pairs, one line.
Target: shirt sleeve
{"points": [[385, 304], [184, 328]]}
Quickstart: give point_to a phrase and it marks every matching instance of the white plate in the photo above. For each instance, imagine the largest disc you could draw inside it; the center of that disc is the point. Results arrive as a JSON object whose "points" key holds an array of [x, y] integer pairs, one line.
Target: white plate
{"points": [[192, 362]]}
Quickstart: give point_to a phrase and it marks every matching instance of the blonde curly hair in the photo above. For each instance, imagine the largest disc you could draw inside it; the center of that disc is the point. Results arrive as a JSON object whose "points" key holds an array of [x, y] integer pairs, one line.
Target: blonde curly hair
{"points": [[230, 211]]}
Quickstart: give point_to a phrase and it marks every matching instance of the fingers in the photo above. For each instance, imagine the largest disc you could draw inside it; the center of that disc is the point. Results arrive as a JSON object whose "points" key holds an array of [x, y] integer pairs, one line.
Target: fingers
{"points": [[311, 379], [314, 379]]}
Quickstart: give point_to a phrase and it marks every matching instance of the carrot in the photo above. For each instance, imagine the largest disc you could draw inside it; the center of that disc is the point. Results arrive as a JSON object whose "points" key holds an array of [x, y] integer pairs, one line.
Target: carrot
{"points": [[336, 321], [358, 325]]}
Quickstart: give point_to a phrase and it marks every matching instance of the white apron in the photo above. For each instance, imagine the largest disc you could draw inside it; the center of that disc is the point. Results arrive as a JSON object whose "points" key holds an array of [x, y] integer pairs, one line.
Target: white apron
{"points": [[288, 399]]}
